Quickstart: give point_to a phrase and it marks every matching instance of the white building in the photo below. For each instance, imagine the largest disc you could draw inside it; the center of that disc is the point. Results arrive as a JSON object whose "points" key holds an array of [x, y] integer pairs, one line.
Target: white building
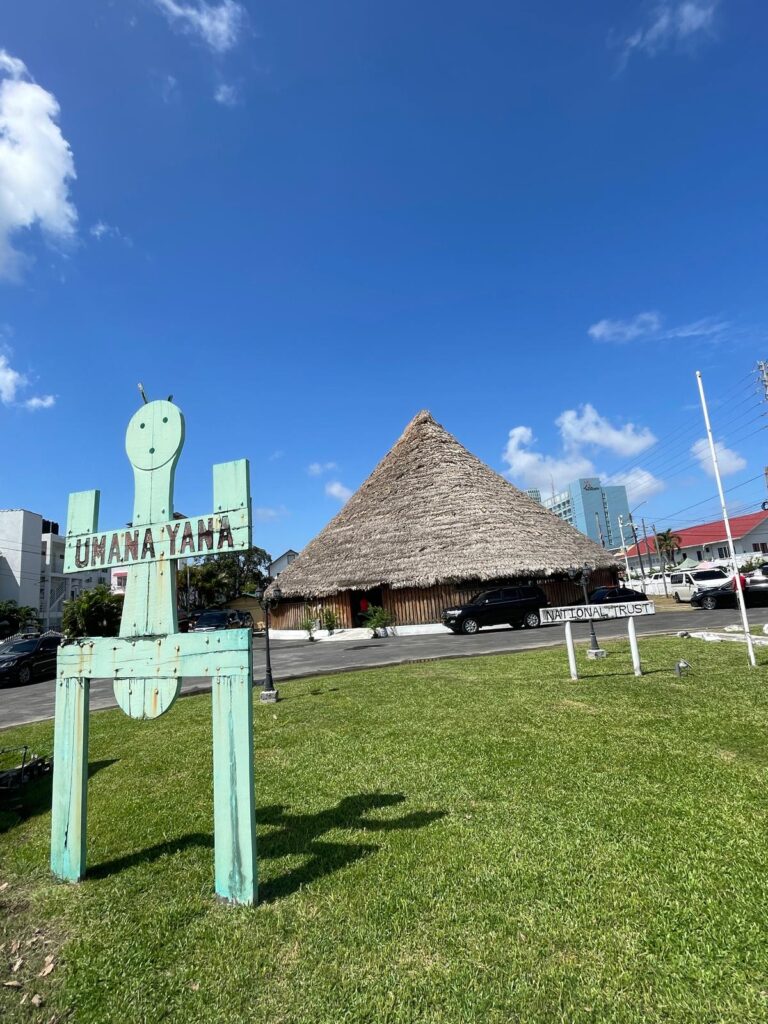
{"points": [[707, 542], [282, 562], [32, 566]]}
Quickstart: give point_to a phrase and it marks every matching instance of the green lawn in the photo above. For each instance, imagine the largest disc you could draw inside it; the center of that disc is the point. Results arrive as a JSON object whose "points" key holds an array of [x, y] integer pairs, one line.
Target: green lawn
{"points": [[473, 840]]}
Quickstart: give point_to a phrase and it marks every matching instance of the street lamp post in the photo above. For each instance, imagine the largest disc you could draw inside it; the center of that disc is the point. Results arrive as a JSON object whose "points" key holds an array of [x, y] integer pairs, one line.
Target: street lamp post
{"points": [[583, 575], [269, 694]]}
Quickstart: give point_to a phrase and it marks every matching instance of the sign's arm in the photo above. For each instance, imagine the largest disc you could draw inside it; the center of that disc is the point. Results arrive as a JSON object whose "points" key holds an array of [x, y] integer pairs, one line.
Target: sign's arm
{"points": [[82, 515], [228, 528]]}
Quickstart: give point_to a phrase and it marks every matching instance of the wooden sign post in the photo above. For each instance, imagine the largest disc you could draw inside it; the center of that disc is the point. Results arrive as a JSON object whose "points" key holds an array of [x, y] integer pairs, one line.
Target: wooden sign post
{"points": [[150, 657]]}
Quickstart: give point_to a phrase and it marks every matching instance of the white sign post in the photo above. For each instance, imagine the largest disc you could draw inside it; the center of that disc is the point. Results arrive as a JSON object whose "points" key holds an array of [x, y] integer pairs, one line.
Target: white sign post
{"points": [[633, 646], [571, 651], [584, 612]]}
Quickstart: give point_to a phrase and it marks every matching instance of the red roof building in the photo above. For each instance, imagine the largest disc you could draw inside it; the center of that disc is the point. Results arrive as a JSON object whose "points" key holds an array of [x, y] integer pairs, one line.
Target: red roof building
{"points": [[708, 541]]}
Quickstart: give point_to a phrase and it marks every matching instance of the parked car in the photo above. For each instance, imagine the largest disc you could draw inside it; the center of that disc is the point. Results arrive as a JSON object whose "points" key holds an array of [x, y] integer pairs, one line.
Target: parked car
{"points": [[615, 595], [683, 585], [513, 606], [246, 620], [29, 658], [218, 618], [724, 596]]}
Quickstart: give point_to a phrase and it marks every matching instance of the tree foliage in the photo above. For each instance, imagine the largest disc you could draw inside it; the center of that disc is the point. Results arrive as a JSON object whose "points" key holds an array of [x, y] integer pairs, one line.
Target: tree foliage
{"points": [[94, 613], [668, 543], [221, 578], [13, 616]]}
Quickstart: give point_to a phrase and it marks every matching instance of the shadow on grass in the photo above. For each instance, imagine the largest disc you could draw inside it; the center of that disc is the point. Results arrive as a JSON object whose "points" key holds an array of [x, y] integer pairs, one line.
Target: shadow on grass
{"points": [[628, 672], [297, 835], [35, 798], [310, 693]]}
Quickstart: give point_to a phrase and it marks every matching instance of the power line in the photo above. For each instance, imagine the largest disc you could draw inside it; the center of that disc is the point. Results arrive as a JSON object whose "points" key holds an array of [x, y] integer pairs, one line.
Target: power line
{"points": [[671, 515], [682, 441]]}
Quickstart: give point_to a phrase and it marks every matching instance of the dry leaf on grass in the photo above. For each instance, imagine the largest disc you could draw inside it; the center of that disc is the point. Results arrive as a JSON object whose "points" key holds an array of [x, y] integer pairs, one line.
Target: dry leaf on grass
{"points": [[15, 945], [4, 886], [49, 965], [11, 984], [16, 965], [37, 1000]]}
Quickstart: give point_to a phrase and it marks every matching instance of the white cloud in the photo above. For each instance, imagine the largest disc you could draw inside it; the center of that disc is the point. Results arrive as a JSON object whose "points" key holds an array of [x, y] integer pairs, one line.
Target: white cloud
{"points": [[543, 471], [40, 402], [169, 88], [12, 66], [318, 468], [588, 427], [640, 484], [267, 515], [578, 430], [226, 95], [11, 381], [36, 164], [728, 460], [101, 230], [625, 330], [673, 24], [650, 326], [336, 489], [219, 25], [705, 328]]}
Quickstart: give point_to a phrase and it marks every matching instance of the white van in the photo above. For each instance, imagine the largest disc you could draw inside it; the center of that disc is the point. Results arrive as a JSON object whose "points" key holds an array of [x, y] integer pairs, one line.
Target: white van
{"points": [[683, 585]]}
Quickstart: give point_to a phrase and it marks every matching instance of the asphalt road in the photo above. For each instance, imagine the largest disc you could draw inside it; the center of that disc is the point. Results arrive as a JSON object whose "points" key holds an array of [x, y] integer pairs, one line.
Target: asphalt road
{"points": [[292, 659]]}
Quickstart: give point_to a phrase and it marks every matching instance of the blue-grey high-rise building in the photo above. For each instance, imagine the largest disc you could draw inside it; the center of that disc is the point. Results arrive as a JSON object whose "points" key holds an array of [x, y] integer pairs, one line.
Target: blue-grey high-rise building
{"points": [[592, 508]]}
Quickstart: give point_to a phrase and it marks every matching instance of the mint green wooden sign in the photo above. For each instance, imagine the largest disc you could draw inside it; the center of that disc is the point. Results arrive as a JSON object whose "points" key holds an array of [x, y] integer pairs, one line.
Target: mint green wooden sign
{"points": [[150, 657]]}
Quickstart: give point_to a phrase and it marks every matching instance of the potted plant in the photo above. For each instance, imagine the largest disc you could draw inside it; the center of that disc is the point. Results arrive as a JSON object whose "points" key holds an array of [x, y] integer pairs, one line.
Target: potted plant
{"points": [[378, 620], [330, 620], [309, 623]]}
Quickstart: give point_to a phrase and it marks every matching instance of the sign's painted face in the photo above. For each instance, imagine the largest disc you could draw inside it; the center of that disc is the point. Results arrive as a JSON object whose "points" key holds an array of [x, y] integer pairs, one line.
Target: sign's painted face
{"points": [[155, 435]]}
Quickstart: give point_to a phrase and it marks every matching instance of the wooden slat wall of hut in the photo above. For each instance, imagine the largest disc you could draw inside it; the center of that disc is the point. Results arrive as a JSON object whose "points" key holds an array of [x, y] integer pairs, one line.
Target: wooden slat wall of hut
{"points": [[288, 614], [421, 605]]}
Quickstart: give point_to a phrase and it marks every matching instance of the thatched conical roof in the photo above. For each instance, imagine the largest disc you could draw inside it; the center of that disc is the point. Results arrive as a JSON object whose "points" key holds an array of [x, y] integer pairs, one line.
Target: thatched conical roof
{"points": [[430, 513]]}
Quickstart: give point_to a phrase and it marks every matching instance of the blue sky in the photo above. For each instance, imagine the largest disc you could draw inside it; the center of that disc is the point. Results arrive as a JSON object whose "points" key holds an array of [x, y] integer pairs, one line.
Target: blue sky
{"points": [[310, 221]]}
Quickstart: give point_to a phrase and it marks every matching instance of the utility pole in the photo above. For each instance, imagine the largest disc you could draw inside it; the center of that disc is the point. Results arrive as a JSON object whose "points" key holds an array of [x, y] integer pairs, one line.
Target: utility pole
{"points": [[647, 548], [662, 567], [637, 546], [762, 369], [624, 544], [726, 522], [599, 529]]}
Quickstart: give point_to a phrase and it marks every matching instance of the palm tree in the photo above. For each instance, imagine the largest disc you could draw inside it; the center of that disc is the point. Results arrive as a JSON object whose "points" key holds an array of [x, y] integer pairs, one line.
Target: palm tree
{"points": [[668, 543]]}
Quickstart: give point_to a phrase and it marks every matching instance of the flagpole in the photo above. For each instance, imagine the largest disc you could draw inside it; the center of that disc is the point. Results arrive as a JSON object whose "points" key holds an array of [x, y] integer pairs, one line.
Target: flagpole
{"points": [[726, 521]]}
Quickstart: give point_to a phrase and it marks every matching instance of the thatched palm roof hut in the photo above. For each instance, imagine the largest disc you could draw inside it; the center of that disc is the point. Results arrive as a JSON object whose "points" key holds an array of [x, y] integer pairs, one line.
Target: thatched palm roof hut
{"points": [[429, 526]]}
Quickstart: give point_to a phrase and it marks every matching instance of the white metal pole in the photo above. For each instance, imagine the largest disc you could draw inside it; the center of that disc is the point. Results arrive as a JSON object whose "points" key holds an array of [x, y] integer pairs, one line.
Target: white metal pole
{"points": [[571, 651], [624, 544], [633, 646], [726, 521]]}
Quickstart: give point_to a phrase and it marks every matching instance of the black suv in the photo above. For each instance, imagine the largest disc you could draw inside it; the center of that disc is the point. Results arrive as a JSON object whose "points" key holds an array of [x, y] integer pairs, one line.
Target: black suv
{"points": [[513, 606], [28, 658]]}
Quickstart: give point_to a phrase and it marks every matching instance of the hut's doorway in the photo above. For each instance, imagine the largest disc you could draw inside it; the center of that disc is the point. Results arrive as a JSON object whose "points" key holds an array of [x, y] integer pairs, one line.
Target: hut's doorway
{"points": [[362, 600]]}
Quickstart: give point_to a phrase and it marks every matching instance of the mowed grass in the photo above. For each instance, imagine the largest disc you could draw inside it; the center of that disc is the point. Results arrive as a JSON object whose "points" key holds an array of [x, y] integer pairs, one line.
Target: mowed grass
{"points": [[471, 840]]}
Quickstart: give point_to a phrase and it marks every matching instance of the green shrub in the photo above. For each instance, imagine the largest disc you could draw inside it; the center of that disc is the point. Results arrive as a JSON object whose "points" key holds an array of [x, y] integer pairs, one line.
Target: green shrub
{"points": [[330, 620], [378, 618], [94, 613]]}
